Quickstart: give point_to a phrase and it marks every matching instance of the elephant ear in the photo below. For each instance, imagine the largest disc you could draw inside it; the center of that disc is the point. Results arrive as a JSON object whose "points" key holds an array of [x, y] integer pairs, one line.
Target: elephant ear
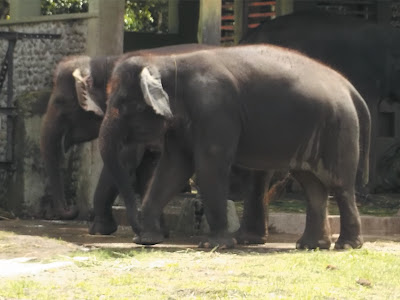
{"points": [[153, 92], [82, 91]]}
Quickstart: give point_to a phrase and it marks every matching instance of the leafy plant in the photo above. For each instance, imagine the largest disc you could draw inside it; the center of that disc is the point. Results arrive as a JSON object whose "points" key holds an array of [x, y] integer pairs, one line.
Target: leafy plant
{"points": [[54, 7], [148, 16]]}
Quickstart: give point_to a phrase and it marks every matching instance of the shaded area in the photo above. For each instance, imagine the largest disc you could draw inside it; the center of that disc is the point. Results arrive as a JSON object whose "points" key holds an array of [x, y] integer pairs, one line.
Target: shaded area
{"points": [[27, 239], [47, 239]]}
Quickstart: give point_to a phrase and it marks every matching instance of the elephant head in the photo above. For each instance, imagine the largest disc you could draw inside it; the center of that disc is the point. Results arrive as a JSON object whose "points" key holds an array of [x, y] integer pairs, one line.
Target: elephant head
{"points": [[74, 114], [138, 110]]}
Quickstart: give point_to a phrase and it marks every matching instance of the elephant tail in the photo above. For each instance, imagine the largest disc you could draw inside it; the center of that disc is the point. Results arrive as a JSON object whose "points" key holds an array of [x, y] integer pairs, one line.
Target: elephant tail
{"points": [[364, 121]]}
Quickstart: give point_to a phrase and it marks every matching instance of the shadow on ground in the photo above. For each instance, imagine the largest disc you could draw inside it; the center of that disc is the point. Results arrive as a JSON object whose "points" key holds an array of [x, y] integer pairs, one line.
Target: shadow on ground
{"points": [[30, 238]]}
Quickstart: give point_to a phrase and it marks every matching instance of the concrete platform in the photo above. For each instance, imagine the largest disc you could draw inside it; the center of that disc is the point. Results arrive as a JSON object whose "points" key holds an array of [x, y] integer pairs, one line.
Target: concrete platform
{"points": [[370, 225], [287, 223]]}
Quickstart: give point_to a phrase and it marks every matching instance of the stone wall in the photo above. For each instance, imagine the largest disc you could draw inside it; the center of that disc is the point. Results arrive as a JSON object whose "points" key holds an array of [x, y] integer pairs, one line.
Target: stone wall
{"points": [[34, 59], [23, 187]]}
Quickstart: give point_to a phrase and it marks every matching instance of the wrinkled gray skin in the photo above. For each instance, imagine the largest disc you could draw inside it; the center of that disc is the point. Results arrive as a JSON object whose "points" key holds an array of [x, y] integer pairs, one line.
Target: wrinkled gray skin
{"points": [[259, 107], [74, 114], [366, 53]]}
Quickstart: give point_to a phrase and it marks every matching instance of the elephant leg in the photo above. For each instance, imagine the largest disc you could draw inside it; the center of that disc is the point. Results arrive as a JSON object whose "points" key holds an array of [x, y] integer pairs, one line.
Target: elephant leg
{"points": [[144, 173], [145, 170], [350, 223], [172, 172], [212, 171], [317, 230], [104, 196], [252, 229]]}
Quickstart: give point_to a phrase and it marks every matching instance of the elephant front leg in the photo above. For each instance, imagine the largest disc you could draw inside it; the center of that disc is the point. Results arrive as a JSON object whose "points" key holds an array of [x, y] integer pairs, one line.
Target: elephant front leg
{"points": [[105, 194], [317, 231], [172, 172], [350, 223]]}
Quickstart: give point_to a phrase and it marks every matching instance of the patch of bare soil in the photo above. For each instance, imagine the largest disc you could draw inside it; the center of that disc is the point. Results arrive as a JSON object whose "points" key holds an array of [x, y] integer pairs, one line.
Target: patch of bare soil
{"points": [[46, 239]]}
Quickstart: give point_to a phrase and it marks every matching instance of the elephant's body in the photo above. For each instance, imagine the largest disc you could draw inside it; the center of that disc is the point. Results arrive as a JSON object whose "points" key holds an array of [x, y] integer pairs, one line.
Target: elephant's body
{"points": [[260, 107], [366, 53], [74, 114]]}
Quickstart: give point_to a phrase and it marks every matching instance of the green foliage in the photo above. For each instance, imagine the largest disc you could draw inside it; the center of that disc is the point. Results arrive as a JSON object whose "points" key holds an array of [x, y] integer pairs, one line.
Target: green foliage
{"points": [[140, 15], [54, 7], [148, 16]]}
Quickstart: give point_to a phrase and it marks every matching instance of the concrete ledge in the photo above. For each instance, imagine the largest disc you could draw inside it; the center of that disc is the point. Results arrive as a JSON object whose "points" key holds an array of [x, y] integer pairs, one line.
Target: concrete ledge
{"points": [[370, 225], [292, 223], [52, 18]]}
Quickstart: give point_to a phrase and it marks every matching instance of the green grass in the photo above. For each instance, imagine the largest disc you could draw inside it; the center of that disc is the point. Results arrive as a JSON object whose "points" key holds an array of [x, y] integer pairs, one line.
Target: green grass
{"points": [[191, 274]]}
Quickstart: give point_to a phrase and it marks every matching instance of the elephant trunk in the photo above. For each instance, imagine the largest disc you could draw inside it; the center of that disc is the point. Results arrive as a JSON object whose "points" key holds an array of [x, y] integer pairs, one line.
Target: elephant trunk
{"points": [[52, 133], [110, 137]]}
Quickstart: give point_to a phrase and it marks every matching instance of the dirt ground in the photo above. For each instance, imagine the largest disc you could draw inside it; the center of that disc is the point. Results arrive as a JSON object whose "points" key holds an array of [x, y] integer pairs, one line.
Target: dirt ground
{"points": [[29, 238]]}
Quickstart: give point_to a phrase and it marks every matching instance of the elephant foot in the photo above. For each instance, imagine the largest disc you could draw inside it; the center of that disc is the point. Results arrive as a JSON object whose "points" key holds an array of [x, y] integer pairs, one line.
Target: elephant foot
{"points": [[349, 243], [219, 243], [103, 226], [311, 243], [249, 238], [149, 238]]}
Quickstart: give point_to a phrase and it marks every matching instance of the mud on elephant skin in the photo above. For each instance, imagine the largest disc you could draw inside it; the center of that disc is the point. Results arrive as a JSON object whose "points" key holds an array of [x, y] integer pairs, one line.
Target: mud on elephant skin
{"points": [[74, 114], [210, 108]]}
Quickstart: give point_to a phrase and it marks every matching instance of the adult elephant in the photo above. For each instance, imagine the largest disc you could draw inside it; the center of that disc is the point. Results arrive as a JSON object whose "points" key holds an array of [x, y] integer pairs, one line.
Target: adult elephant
{"points": [[366, 53], [74, 114], [261, 107]]}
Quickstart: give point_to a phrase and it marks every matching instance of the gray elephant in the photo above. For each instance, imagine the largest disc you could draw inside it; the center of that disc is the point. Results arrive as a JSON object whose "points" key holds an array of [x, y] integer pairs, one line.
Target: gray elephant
{"points": [[260, 107], [74, 114], [366, 53]]}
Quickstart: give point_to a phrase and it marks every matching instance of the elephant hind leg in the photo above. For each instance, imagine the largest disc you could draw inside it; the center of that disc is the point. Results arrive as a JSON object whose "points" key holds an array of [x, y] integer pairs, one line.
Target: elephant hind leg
{"points": [[253, 228], [350, 223], [317, 230]]}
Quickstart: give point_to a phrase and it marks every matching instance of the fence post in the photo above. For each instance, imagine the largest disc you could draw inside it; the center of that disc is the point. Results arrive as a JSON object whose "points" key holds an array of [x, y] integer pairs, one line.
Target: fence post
{"points": [[240, 24], [106, 32], [24, 8], [284, 7], [209, 30]]}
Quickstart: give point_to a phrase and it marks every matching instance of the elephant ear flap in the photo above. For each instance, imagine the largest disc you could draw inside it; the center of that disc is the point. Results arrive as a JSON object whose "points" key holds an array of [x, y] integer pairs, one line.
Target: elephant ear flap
{"points": [[82, 91], [153, 92]]}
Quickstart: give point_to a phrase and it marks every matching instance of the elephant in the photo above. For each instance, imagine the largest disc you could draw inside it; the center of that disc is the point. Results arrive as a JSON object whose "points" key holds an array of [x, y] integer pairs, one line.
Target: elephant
{"points": [[368, 54], [74, 114], [260, 107]]}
